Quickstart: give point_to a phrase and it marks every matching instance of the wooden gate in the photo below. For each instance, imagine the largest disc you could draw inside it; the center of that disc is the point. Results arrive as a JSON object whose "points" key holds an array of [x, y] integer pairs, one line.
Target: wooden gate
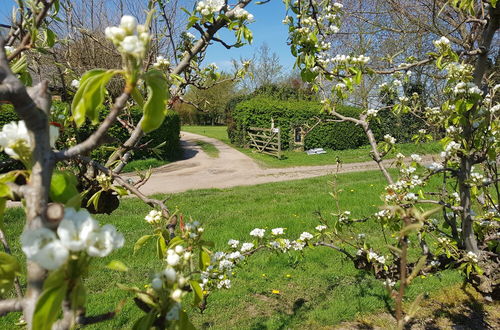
{"points": [[265, 140]]}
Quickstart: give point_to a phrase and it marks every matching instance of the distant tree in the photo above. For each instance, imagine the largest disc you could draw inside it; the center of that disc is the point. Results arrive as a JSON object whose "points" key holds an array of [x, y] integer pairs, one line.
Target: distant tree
{"points": [[210, 102], [265, 68]]}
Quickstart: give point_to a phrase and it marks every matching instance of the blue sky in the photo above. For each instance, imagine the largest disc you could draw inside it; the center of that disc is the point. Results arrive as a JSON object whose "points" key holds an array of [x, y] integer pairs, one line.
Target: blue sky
{"points": [[267, 28]]}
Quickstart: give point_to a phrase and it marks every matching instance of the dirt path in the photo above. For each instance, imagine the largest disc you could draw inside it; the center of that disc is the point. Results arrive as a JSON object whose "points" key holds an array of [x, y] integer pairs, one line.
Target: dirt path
{"points": [[232, 168]]}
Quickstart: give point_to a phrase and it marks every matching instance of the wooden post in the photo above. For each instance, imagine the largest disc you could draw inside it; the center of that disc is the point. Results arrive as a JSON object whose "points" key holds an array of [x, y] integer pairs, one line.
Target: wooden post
{"points": [[279, 143]]}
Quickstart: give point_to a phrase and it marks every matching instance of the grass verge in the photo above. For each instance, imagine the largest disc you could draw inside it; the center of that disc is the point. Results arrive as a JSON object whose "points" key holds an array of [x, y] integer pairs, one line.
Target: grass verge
{"points": [[208, 148], [271, 291], [144, 164], [292, 158]]}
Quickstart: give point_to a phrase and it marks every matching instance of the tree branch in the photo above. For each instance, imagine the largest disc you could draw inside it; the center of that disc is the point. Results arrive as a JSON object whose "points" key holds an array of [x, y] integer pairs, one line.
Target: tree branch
{"points": [[95, 138], [11, 305]]}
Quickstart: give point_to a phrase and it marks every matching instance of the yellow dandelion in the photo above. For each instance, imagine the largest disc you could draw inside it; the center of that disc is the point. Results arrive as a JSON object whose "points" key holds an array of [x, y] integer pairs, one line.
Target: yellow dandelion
{"points": [[352, 190], [288, 275], [276, 291]]}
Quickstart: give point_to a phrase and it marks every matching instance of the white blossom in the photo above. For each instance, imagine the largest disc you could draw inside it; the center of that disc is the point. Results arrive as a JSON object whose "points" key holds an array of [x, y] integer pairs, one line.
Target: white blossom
{"points": [[75, 229], [33, 240], [245, 247], [416, 158], [305, 236], [161, 62], [75, 83], [52, 256], [15, 135], [153, 216], [278, 231], [298, 245], [170, 275], [102, 242], [257, 232], [389, 139], [320, 227], [128, 24], [176, 295], [436, 166], [372, 112], [233, 243], [172, 259], [442, 42]]}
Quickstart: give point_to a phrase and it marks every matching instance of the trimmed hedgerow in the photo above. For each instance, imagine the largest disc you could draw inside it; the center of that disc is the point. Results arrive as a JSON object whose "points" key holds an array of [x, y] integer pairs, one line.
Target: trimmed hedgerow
{"points": [[166, 139], [258, 111], [169, 132]]}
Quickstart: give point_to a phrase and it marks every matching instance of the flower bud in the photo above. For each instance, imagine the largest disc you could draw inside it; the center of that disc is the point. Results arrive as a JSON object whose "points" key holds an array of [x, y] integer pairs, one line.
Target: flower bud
{"points": [[129, 24]]}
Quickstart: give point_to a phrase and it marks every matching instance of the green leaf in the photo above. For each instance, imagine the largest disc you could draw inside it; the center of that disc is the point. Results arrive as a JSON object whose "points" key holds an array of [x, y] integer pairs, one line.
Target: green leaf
{"points": [[50, 37], [137, 96], [184, 322], [174, 242], [94, 200], [141, 241], [117, 265], [5, 190], [78, 295], [204, 259], [55, 279], [120, 190], [155, 107], [161, 247], [9, 269], [90, 95], [145, 322], [63, 188], [198, 292], [48, 307]]}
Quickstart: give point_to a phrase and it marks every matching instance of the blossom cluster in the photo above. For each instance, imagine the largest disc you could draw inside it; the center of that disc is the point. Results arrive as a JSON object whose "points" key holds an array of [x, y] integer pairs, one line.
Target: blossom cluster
{"points": [[77, 232], [451, 149], [209, 7], [467, 88], [442, 43], [130, 37], [15, 140], [242, 14], [153, 217], [161, 63], [171, 281]]}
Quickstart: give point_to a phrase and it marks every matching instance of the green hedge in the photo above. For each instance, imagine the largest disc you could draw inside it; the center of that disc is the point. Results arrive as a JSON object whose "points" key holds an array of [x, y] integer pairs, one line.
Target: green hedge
{"points": [[169, 132], [258, 111]]}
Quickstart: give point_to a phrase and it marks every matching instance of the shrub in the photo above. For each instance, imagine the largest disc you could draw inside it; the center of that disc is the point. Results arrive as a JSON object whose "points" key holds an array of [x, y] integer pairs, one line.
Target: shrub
{"points": [[167, 137], [169, 132], [257, 111]]}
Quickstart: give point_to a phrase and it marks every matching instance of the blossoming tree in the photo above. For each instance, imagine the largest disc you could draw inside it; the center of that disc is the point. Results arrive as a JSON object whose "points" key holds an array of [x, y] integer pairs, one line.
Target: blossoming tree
{"points": [[467, 114], [60, 236]]}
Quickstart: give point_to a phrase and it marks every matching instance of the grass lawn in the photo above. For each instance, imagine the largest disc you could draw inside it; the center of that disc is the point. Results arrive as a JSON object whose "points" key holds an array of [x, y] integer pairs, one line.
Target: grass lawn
{"points": [[216, 132], [320, 290], [144, 164], [292, 158], [208, 148]]}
